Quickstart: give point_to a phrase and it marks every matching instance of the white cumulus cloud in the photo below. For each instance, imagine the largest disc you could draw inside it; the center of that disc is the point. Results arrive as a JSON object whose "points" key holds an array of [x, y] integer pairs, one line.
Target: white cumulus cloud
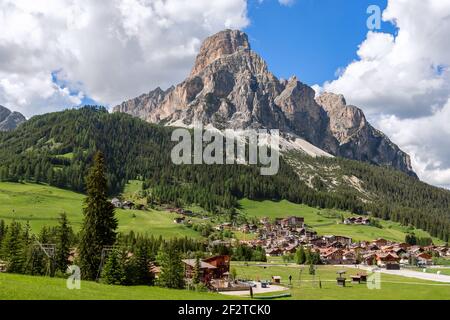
{"points": [[108, 50], [402, 82]]}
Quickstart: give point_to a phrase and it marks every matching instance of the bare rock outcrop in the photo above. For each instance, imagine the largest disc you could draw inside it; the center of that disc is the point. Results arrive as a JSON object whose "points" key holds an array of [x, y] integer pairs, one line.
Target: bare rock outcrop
{"points": [[230, 86], [10, 120]]}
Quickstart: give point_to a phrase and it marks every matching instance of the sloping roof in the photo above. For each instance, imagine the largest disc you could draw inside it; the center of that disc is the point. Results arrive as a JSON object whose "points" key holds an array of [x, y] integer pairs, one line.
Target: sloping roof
{"points": [[203, 265]]}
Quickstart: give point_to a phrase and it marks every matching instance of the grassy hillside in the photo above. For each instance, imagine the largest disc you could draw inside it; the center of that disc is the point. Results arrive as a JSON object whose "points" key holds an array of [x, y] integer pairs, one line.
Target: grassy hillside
{"points": [[306, 287], [325, 221], [20, 287], [42, 204]]}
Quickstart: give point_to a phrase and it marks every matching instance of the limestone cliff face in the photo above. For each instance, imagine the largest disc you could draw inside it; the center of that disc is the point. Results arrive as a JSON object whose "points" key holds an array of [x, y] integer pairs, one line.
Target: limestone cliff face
{"points": [[230, 86], [10, 120]]}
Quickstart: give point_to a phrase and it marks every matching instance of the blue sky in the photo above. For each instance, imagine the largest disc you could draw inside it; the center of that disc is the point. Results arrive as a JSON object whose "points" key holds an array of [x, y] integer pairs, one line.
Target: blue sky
{"points": [[311, 39], [113, 51]]}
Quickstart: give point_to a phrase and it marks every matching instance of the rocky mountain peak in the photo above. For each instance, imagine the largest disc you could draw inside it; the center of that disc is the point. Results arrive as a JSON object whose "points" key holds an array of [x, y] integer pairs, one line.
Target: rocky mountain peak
{"points": [[221, 44], [230, 86], [10, 120]]}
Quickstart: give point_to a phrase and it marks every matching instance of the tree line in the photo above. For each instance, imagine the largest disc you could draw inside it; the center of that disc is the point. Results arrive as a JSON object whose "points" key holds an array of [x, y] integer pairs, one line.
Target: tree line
{"points": [[57, 148]]}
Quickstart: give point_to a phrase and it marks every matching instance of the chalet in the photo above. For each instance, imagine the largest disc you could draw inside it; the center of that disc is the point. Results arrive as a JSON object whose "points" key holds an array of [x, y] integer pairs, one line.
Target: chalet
{"points": [[404, 245], [332, 256], [380, 242], [424, 259], [387, 260], [399, 251], [292, 222], [207, 270], [442, 251], [290, 249], [369, 259], [116, 203], [343, 240], [349, 257], [222, 264], [179, 220], [215, 267], [273, 252], [128, 205], [357, 220]]}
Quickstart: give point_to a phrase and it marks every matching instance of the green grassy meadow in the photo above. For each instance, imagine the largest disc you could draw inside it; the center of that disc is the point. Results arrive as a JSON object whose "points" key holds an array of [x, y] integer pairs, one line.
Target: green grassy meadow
{"points": [[20, 287], [324, 221], [306, 286], [42, 204]]}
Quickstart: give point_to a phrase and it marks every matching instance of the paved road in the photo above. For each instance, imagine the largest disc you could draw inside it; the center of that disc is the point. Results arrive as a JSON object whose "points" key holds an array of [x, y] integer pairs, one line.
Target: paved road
{"points": [[414, 274]]}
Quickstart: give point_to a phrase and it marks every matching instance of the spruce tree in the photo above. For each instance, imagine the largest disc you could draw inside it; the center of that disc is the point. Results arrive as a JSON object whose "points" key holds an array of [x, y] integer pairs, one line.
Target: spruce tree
{"points": [[99, 224], [64, 233], [172, 271], [13, 249], [113, 272], [196, 278], [142, 261]]}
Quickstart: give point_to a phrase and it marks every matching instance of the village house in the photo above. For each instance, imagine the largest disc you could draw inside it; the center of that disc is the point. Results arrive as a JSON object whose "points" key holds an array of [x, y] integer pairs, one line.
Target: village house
{"points": [[292, 222], [424, 259], [388, 260], [128, 205], [380, 242], [215, 267], [357, 220], [179, 220], [349, 257], [116, 203], [370, 259], [332, 256], [273, 252]]}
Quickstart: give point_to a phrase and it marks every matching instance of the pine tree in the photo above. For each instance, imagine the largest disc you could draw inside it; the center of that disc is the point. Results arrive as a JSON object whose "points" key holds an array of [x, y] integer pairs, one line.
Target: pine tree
{"points": [[142, 260], [99, 223], [64, 232], [196, 278], [13, 249], [113, 272], [172, 271]]}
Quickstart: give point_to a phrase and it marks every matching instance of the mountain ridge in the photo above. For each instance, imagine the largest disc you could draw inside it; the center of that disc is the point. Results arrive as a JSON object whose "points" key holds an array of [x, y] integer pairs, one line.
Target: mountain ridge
{"points": [[9, 120], [230, 86]]}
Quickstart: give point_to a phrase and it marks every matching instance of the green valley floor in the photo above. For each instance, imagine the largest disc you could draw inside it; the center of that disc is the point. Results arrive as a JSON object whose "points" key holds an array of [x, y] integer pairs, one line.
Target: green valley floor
{"points": [[321, 286]]}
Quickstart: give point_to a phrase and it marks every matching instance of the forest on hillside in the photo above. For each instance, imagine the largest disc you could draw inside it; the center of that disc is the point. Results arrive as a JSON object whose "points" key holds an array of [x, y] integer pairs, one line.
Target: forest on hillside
{"points": [[57, 148]]}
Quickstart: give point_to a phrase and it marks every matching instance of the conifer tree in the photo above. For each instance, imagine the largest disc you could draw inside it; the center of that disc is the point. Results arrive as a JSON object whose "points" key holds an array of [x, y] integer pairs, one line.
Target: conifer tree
{"points": [[172, 271], [13, 249], [99, 224], [196, 278], [113, 272], [64, 232]]}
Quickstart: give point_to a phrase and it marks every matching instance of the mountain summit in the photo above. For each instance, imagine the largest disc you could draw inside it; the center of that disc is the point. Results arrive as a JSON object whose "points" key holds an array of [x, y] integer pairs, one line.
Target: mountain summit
{"points": [[230, 86], [10, 120]]}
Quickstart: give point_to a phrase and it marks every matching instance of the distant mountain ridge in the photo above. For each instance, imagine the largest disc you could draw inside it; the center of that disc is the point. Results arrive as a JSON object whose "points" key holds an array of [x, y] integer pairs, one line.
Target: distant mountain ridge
{"points": [[230, 86], [10, 120]]}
